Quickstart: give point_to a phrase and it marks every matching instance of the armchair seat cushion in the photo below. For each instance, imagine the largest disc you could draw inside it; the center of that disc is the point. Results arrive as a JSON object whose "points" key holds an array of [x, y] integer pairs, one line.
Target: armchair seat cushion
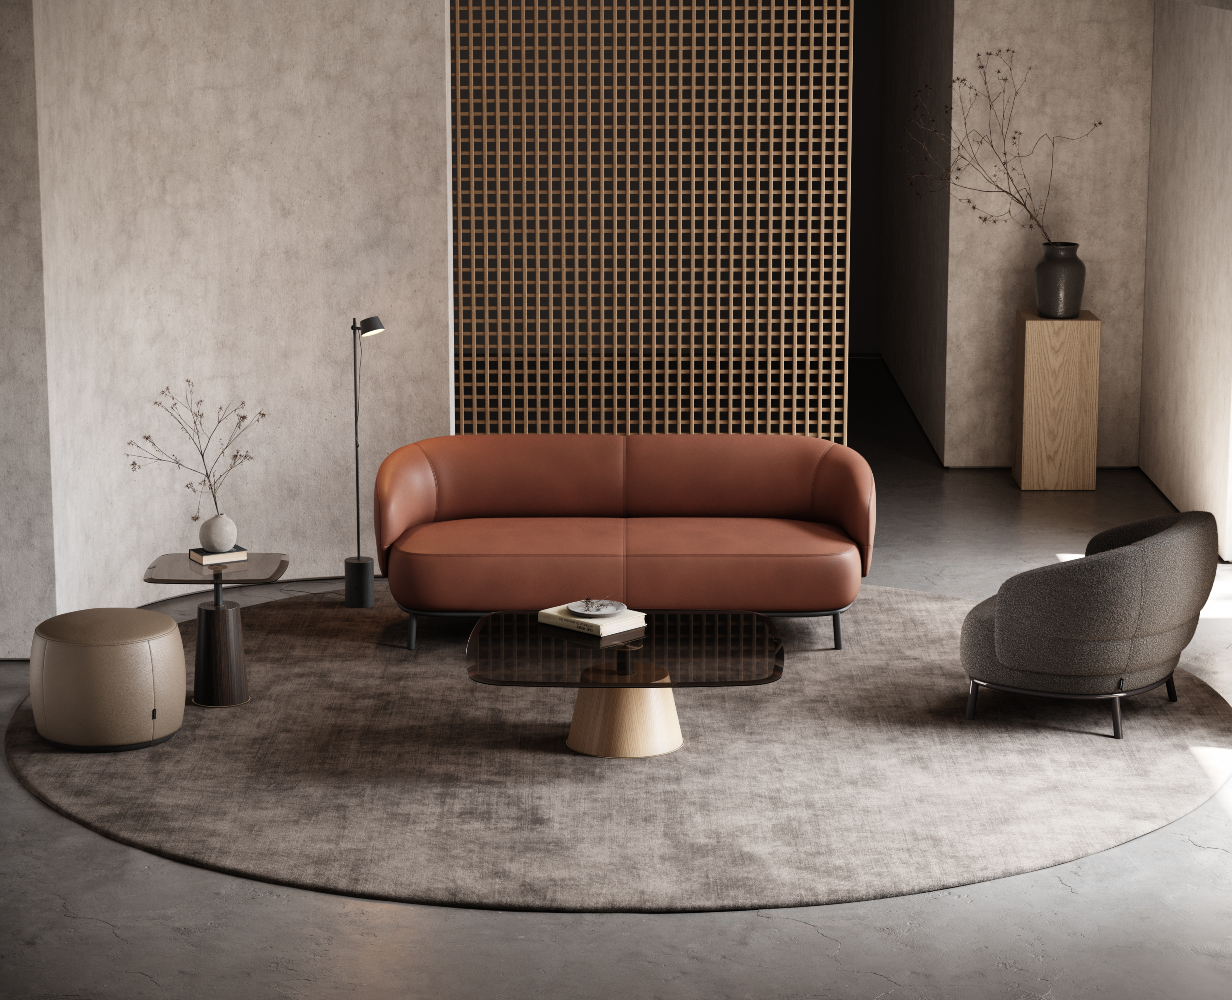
{"points": [[507, 563], [979, 659], [750, 563]]}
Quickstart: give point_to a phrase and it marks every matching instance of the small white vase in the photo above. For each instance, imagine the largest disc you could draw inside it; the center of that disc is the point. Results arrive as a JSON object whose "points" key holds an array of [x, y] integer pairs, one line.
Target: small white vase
{"points": [[218, 534]]}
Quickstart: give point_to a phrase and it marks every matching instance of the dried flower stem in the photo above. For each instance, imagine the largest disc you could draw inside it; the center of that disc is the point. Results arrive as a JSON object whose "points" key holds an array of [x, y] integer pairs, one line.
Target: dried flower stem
{"points": [[984, 154], [189, 413]]}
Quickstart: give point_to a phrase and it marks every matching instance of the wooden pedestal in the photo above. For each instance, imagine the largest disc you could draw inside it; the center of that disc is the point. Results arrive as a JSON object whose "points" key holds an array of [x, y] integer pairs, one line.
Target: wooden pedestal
{"points": [[625, 722], [219, 679], [1056, 401]]}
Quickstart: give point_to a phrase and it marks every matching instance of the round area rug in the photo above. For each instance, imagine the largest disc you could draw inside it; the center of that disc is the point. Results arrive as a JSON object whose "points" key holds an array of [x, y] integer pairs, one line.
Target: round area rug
{"points": [[360, 767]]}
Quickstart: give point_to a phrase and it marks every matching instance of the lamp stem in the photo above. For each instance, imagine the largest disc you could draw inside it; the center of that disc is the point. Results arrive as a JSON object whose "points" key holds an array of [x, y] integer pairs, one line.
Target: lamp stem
{"points": [[355, 374]]}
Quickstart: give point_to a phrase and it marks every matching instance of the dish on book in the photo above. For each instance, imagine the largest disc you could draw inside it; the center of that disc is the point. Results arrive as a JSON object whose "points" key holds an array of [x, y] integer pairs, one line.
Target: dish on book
{"points": [[596, 609]]}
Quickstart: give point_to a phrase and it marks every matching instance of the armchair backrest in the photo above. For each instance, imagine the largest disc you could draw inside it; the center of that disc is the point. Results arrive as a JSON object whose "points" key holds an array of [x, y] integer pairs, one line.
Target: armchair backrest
{"points": [[1132, 602]]}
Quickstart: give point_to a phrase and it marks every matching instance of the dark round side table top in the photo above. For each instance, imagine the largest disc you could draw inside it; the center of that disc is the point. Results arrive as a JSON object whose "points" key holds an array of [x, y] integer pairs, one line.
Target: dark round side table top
{"points": [[675, 649], [178, 567]]}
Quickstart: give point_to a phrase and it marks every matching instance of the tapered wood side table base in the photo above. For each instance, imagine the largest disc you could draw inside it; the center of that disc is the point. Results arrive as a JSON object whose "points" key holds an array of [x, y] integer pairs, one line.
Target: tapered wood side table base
{"points": [[219, 679], [625, 722]]}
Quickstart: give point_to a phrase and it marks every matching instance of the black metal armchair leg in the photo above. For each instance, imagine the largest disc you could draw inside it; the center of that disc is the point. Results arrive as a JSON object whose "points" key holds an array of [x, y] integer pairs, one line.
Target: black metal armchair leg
{"points": [[973, 692], [1116, 719], [838, 630], [411, 626], [1171, 688]]}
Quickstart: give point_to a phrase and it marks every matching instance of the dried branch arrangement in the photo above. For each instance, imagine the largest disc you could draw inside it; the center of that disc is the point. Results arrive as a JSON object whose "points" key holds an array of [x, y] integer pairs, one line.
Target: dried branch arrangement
{"points": [[188, 412], [973, 149]]}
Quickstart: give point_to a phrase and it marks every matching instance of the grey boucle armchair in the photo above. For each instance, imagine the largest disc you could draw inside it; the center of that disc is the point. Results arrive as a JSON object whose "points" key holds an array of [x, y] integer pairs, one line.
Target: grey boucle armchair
{"points": [[1108, 626]]}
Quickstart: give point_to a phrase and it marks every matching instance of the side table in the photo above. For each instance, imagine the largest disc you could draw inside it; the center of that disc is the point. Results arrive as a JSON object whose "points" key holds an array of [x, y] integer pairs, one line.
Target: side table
{"points": [[219, 679], [1056, 401]]}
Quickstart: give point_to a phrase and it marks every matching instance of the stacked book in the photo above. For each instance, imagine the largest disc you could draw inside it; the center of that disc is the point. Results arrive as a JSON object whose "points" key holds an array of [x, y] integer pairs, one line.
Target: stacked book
{"points": [[614, 627], [207, 558]]}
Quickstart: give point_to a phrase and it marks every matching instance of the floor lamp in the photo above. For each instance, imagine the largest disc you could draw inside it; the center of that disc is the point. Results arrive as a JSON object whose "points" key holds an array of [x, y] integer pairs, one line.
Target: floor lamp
{"points": [[359, 575]]}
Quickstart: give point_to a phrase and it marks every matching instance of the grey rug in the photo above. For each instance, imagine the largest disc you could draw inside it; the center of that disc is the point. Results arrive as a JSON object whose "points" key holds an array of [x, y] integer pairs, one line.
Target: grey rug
{"points": [[362, 768]]}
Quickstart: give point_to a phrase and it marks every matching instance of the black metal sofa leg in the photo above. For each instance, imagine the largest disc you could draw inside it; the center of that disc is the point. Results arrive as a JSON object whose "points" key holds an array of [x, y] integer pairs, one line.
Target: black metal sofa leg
{"points": [[1171, 688], [838, 630], [973, 692], [1116, 719], [410, 632]]}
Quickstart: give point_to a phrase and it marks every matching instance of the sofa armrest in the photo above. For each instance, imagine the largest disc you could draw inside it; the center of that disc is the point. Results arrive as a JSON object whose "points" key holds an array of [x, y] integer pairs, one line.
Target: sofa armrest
{"points": [[405, 496], [845, 495]]}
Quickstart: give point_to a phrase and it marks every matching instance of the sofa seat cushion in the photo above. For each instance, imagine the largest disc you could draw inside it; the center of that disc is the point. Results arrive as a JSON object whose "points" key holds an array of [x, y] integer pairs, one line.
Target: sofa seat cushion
{"points": [[739, 563], [507, 563]]}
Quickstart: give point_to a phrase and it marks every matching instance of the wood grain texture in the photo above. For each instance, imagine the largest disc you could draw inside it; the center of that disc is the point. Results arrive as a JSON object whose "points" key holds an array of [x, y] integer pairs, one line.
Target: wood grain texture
{"points": [[1056, 401], [625, 722], [642, 266], [219, 679]]}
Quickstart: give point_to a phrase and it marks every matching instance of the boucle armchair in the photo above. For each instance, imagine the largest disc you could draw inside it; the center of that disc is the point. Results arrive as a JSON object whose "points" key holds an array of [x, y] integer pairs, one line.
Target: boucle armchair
{"points": [[1109, 626]]}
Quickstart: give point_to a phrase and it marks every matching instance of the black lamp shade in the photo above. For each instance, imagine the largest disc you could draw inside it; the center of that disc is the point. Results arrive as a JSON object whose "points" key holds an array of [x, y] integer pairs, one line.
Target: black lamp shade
{"points": [[371, 326]]}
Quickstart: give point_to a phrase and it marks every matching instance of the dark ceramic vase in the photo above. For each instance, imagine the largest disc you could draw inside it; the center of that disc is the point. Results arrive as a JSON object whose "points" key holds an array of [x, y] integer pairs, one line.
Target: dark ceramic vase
{"points": [[1059, 279]]}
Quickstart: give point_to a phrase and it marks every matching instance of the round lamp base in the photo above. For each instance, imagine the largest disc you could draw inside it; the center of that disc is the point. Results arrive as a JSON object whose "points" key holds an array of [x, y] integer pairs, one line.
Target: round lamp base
{"points": [[359, 582]]}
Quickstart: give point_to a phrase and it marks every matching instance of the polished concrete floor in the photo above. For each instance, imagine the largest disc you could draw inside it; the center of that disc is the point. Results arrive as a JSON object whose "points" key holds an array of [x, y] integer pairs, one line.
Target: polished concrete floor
{"points": [[84, 917]]}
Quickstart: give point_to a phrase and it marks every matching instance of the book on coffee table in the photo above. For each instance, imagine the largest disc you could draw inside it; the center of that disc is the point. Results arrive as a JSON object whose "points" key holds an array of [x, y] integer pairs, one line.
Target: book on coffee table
{"points": [[593, 641], [562, 617]]}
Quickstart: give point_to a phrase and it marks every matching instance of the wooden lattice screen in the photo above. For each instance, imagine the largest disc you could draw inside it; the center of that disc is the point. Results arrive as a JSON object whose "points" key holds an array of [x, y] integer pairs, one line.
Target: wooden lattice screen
{"points": [[650, 210]]}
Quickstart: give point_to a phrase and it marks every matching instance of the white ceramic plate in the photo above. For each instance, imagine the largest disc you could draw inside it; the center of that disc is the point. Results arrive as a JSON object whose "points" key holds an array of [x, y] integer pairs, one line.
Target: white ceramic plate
{"points": [[605, 609]]}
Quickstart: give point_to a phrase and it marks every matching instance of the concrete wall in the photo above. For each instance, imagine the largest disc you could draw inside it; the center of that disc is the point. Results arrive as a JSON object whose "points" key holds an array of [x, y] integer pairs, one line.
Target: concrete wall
{"points": [[1187, 342], [27, 567], [919, 50], [1090, 59], [954, 284], [224, 186]]}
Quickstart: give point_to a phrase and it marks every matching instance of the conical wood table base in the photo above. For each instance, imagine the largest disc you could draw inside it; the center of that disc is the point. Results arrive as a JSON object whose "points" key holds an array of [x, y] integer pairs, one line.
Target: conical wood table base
{"points": [[625, 722]]}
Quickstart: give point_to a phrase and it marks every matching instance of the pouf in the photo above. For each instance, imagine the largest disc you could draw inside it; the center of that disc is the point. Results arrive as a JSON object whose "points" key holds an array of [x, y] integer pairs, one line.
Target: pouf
{"points": [[107, 679]]}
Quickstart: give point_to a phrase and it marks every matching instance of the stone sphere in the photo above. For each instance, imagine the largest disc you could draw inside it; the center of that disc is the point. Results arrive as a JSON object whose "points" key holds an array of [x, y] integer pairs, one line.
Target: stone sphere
{"points": [[218, 534]]}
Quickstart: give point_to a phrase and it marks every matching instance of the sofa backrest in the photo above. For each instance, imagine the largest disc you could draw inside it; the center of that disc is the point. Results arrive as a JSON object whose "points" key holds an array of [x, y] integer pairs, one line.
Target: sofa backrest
{"points": [[527, 475], [712, 475], [605, 475]]}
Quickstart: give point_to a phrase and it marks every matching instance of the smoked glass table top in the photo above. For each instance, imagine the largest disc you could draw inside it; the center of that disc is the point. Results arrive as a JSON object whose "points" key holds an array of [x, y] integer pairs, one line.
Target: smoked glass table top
{"points": [[675, 649], [178, 567]]}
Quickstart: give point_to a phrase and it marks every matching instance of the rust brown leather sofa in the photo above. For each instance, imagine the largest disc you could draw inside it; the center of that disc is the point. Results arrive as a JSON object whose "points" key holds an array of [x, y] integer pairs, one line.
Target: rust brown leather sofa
{"points": [[472, 524]]}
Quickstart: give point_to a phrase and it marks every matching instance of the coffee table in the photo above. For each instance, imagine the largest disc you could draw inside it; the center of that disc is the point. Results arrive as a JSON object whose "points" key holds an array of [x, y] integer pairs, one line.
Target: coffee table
{"points": [[625, 706], [219, 679]]}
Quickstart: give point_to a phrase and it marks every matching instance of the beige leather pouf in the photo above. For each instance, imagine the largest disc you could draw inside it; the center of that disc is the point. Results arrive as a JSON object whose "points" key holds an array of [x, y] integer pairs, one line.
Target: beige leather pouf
{"points": [[107, 679]]}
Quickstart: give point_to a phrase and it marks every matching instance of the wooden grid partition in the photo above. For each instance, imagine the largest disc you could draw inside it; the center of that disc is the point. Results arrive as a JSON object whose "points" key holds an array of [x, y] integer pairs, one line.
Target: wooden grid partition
{"points": [[650, 211]]}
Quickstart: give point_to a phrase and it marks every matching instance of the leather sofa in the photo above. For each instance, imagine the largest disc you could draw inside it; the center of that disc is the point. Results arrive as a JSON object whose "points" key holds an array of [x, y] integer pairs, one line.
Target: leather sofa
{"points": [[776, 524]]}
